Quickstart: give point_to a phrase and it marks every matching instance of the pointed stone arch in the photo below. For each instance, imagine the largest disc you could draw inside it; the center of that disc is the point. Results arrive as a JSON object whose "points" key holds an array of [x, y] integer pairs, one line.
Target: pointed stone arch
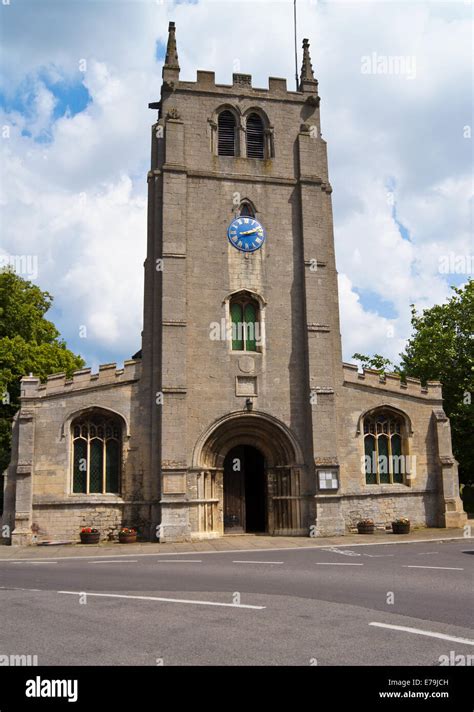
{"points": [[263, 431], [387, 407], [283, 462], [89, 409]]}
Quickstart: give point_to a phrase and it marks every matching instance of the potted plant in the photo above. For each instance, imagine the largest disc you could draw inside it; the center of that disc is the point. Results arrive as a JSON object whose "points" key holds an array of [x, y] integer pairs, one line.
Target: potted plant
{"points": [[127, 536], [365, 526], [89, 535], [401, 526]]}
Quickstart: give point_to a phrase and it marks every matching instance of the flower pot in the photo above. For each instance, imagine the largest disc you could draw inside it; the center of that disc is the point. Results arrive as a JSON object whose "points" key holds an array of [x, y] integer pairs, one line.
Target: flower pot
{"points": [[90, 537], [401, 527], [365, 528], [130, 538]]}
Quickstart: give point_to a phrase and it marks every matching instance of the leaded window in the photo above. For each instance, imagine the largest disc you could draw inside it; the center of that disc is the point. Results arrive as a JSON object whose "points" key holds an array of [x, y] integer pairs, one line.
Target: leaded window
{"points": [[97, 444], [244, 314], [385, 459]]}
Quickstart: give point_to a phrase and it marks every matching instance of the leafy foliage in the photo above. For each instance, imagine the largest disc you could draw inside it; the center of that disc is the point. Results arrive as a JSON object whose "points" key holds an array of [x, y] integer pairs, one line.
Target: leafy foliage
{"points": [[375, 362], [29, 343], [442, 348]]}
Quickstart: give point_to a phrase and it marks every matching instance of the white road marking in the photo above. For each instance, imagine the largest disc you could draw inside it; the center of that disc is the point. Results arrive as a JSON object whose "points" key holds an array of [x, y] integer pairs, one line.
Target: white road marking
{"points": [[426, 553], [17, 588], [345, 553], [258, 562], [429, 633], [377, 556], [443, 568], [180, 561], [164, 600], [337, 563], [115, 561], [35, 562]]}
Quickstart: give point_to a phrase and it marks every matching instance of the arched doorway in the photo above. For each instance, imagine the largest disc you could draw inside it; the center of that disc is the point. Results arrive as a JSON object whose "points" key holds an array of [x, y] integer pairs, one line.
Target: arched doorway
{"points": [[271, 478], [245, 490]]}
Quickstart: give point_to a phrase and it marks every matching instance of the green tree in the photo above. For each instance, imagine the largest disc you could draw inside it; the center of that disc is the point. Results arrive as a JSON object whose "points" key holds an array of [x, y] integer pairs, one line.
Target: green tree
{"points": [[442, 348], [375, 362], [29, 343]]}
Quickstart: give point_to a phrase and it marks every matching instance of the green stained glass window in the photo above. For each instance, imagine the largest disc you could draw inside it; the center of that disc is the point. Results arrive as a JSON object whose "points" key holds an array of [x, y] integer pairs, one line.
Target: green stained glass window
{"points": [[237, 327], [250, 320], [370, 462], [397, 459], [96, 466], [112, 466], [80, 466], [383, 463], [244, 313]]}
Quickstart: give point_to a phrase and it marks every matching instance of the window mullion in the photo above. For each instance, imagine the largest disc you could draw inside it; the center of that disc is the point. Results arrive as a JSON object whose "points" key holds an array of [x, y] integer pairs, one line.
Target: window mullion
{"points": [[377, 468], [244, 327], [390, 463], [104, 454], [88, 463]]}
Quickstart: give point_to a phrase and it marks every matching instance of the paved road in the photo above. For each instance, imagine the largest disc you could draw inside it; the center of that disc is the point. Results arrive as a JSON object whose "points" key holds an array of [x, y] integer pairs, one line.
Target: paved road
{"points": [[297, 607]]}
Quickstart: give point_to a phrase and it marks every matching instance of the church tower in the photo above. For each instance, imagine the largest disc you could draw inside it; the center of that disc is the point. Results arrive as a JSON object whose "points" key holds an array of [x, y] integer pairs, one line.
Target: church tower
{"points": [[241, 343]]}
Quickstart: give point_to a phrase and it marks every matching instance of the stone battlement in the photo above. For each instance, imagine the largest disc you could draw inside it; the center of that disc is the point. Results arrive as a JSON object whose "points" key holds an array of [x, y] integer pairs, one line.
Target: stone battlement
{"points": [[57, 383], [241, 83], [391, 382]]}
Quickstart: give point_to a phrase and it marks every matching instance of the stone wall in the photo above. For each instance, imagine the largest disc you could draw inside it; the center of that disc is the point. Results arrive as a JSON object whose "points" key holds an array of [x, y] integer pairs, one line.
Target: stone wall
{"points": [[421, 508], [65, 519], [39, 480]]}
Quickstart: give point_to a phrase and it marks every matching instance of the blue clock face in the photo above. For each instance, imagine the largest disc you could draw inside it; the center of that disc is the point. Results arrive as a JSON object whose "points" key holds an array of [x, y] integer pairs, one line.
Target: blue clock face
{"points": [[246, 234]]}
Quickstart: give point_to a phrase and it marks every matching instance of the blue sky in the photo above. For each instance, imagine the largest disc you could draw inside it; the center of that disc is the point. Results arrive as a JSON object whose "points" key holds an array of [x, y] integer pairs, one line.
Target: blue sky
{"points": [[78, 76]]}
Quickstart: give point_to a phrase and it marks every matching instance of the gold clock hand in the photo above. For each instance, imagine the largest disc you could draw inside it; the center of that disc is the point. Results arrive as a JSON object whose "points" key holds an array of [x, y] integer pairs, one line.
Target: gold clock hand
{"points": [[250, 232]]}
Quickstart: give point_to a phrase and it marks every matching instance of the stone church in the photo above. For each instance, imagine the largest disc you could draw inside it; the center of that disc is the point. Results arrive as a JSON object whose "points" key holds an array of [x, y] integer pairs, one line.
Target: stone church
{"points": [[237, 414]]}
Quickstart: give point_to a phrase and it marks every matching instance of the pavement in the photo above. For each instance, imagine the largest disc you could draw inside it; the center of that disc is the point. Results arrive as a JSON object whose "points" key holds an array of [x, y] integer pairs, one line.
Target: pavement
{"points": [[227, 543], [361, 600]]}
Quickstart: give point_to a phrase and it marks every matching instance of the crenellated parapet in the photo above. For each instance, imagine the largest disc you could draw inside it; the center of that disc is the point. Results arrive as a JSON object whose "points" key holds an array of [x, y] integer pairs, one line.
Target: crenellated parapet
{"points": [[241, 85], [391, 382], [107, 375], [241, 82]]}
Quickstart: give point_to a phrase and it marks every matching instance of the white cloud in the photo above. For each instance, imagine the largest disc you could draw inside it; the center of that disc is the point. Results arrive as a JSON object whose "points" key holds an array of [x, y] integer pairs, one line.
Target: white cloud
{"points": [[365, 331], [79, 201]]}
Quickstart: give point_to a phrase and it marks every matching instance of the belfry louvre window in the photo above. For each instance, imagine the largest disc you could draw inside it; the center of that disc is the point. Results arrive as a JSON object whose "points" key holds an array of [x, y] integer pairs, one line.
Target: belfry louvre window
{"points": [[246, 210], [385, 461], [226, 134], [97, 447], [255, 137], [244, 314]]}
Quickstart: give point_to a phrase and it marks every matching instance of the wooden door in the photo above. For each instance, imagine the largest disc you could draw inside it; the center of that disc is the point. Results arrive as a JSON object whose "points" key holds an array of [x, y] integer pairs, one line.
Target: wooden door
{"points": [[234, 491]]}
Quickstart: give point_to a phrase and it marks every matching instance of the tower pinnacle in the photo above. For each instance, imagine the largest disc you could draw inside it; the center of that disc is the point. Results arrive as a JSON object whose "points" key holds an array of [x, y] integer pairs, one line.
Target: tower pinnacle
{"points": [[171, 59], [307, 80]]}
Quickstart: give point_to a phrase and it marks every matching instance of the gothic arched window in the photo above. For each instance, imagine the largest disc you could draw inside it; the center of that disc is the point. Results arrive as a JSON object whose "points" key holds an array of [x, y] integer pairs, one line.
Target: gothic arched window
{"points": [[245, 318], [255, 136], [384, 450], [226, 133], [96, 453]]}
